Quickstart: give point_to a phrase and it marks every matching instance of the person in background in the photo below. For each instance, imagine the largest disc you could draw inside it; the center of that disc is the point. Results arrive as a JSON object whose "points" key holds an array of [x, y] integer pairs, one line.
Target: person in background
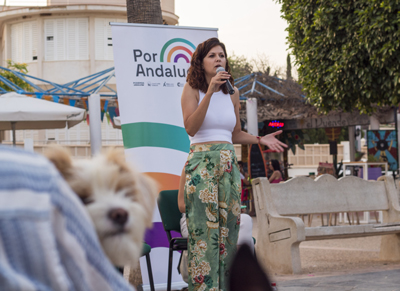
{"points": [[244, 177], [282, 167], [276, 176], [47, 240], [269, 171]]}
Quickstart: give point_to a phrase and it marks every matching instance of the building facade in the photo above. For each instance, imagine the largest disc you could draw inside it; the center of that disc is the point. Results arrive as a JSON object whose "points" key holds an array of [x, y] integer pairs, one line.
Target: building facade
{"points": [[64, 40]]}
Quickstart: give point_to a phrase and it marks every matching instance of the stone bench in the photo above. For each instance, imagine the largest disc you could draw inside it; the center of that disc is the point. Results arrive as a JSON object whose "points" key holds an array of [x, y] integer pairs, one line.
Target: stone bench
{"points": [[280, 230]]}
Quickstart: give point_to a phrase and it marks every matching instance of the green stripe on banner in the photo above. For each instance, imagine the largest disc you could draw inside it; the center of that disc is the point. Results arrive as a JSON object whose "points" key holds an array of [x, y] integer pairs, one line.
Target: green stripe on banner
{"points": [[148, 134]]}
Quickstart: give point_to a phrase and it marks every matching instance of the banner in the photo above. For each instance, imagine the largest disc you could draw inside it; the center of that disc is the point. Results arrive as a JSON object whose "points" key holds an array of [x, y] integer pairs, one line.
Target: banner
{"points": [[151, 63], [382, 147]]}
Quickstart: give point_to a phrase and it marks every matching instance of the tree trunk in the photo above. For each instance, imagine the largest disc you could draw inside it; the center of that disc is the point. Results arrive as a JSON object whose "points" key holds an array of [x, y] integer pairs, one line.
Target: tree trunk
{"points": [[144, 11]]}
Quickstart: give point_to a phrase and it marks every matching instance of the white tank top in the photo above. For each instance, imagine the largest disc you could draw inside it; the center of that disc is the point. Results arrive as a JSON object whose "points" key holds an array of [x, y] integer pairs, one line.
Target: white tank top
{"points": [[219, 122]]}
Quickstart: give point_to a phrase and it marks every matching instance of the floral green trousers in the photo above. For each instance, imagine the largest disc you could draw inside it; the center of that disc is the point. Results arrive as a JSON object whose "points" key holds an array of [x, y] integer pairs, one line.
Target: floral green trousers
{"points": [[212, 198]]}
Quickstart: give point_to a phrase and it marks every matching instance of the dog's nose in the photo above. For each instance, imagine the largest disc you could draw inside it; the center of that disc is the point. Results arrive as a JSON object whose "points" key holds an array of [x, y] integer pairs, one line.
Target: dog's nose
{"points": [[118, 215]]}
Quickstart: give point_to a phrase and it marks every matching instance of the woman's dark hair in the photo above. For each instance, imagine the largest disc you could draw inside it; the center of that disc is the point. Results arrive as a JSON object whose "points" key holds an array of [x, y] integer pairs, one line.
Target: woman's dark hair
{"points": [[275, 165], [196, 76]]}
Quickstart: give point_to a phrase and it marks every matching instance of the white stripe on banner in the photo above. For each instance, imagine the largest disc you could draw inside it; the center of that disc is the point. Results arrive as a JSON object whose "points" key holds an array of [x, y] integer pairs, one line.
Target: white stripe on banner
{"points": [[154, 108], [162, 160]]}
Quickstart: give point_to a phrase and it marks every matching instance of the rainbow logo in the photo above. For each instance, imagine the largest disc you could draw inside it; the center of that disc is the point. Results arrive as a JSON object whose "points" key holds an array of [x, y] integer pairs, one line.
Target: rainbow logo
{"points": [[177, 50]]}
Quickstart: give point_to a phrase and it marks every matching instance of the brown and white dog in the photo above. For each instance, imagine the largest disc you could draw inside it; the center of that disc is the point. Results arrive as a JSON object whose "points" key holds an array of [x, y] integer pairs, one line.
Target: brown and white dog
{"points": [[119, 200]]}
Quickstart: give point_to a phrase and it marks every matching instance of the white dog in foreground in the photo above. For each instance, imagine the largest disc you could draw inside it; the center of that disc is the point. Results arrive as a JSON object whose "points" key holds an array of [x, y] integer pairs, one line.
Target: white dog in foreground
{"points": [[119, 200]]}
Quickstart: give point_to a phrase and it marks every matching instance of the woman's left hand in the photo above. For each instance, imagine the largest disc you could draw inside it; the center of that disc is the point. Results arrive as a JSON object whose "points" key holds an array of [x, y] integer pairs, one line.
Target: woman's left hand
{"points": [[272, 142]]}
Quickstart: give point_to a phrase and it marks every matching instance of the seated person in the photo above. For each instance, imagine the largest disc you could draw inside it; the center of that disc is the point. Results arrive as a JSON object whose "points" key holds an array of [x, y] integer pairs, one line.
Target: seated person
{"points": [[269, 171], [276, 176], [47, 241], [244, 177]]}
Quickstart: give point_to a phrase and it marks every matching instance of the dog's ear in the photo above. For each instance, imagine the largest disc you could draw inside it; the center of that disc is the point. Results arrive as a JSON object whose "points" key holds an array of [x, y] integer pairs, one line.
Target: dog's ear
{"points": [[246, 273], [61, 158], [117, 157], [149, 188]]}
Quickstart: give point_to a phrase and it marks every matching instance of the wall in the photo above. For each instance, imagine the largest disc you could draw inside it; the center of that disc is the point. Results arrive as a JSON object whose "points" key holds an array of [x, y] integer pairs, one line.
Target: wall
{"points": [[313, 154], [80, 2], [307, 160]]}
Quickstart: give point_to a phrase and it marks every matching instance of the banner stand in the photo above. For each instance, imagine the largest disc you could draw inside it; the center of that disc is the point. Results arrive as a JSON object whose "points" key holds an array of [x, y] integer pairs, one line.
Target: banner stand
{"points": [[151, 64]]}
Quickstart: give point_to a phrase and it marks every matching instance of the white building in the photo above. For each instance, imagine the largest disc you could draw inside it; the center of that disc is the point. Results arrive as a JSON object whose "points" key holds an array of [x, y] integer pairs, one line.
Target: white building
{"points": [[61, 41]]}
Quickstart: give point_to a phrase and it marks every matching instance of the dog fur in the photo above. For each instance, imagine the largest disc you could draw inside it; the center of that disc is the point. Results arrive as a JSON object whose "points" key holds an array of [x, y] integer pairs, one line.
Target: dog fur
{"points": [[119, 200]]}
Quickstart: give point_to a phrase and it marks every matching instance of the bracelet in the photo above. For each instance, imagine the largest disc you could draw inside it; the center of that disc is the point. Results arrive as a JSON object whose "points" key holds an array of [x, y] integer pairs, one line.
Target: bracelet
{"points": [[259, 139]]}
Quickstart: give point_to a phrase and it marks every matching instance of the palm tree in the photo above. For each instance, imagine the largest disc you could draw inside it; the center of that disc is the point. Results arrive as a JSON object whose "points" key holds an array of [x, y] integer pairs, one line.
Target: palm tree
{"points": [[144, 11]]}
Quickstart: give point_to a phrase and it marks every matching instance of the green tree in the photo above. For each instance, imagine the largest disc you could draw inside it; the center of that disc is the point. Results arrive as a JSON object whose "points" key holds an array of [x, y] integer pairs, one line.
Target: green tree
{"points": [[346, 51], [318, 135], [19, 67], [240, 66]]}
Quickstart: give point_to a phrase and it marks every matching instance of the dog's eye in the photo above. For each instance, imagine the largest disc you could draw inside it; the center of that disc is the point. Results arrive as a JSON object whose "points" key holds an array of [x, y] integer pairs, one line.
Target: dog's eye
{"points": [[87, 200], [131, 195]]}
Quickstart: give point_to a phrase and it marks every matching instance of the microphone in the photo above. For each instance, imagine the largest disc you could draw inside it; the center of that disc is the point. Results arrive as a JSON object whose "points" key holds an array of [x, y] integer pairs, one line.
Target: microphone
{"points": [[228, 84]]}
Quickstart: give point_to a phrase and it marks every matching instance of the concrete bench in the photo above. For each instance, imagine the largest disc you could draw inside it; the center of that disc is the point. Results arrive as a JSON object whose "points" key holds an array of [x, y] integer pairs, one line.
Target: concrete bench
{"points": [[280, 231]]}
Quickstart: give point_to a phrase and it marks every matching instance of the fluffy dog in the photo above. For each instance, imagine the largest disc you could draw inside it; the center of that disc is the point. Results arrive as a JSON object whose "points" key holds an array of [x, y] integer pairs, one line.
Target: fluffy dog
{"points": [[119, 199]]}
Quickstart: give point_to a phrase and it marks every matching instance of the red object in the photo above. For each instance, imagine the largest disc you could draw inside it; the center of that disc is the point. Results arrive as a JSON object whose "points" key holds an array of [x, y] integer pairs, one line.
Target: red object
{"points": [[245, 193], [199, 279], [238, 220], [276, 124], [269, 151], [222, 248]]}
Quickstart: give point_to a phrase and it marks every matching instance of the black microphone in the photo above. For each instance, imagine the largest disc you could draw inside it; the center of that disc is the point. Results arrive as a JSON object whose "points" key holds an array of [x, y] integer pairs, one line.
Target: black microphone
{"points": [[228, 84]]}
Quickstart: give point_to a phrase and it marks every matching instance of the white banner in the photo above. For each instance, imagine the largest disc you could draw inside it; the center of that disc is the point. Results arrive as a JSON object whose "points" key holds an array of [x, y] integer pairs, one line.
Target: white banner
{"points": [[151, 63]]}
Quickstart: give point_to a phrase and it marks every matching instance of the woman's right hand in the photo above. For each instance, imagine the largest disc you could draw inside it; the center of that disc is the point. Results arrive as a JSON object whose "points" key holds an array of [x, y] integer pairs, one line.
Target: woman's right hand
{"points": [[216, 82]]}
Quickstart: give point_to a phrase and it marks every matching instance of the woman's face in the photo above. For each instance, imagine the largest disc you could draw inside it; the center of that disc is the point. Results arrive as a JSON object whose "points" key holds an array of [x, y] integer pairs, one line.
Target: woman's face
{"points": [[270, 166], [214, 59]]}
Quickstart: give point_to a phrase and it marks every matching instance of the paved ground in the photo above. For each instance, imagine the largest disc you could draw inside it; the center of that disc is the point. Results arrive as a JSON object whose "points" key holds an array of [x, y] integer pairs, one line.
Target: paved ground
{"points": [[340, 264], [388, 280]]}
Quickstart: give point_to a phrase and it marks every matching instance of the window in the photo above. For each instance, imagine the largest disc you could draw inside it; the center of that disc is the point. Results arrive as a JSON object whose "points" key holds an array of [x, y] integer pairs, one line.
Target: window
{"points": [[24, 41], [66, 39], [103, 38]]}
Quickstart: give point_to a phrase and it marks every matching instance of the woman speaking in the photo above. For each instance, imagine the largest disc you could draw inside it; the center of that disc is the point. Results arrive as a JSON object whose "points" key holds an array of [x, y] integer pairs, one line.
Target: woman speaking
{"points": [[211, 175]]}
